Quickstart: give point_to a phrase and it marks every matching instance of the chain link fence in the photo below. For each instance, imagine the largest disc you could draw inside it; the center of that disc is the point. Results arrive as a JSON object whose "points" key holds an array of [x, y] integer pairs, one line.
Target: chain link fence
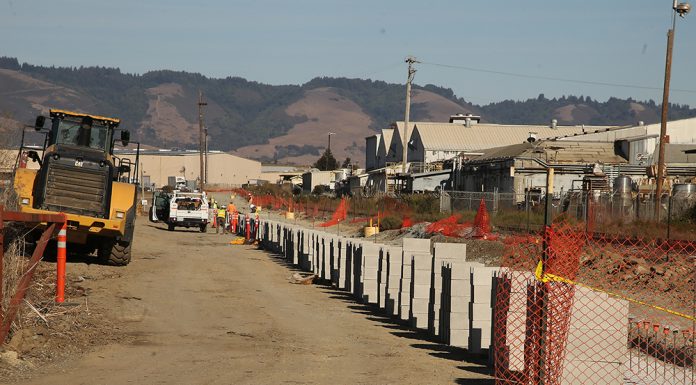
{"points": [[599, 211], [578, 307]]}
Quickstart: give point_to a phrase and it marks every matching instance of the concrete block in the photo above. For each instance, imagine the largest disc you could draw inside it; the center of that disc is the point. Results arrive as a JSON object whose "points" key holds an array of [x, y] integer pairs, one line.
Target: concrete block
{"points": [[450, 251], [460, 288], [370, 252], [459, 305], [482, 294], [421, 291], [419, 305], [594, 345], [485, 325], [370, 273], [459, 338], [462, 270], [416, 245], [483, 276], [459, 320], [419, 320], [404, 312], [480, 311]]}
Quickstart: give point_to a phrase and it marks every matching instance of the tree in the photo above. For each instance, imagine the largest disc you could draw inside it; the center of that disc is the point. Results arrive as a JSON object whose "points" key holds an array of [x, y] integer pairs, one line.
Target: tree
{"points": [[346, 163], [326, 162]]}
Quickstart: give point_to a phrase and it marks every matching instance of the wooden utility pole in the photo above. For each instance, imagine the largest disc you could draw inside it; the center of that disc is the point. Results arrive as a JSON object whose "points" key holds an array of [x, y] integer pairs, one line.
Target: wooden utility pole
{"points": [[205, 135], [201, 140], [411, 73], [680, 9]]}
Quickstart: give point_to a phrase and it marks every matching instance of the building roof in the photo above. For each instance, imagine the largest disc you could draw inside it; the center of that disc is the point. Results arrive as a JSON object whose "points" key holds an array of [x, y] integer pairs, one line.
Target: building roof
{"points": [[556, 152], [477, 137], [677, 153], [387, 134], [398, 133]]}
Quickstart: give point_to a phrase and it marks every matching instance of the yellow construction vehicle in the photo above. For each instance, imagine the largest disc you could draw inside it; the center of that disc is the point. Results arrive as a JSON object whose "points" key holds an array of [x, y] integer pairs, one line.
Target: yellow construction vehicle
{"points": [[80, 176]]}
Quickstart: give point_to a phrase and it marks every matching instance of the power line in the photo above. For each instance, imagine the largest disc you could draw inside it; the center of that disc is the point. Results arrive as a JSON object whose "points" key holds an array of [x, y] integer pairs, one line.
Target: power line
{"points": [[566, 80]]}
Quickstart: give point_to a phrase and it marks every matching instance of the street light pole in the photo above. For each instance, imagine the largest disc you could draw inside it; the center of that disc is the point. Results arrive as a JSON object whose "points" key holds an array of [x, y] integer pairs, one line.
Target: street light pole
{"points": [[411, 73], [681, 9]]}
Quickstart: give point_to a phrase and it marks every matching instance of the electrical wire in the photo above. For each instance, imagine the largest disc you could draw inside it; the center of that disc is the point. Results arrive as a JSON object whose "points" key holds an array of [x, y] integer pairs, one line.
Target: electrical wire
{"points": [[577, 81]]}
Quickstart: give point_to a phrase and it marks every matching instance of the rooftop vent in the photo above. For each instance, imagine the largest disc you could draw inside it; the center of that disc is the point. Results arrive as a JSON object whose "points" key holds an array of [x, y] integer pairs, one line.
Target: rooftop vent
{"points": [[554, 123], [465, 119]]}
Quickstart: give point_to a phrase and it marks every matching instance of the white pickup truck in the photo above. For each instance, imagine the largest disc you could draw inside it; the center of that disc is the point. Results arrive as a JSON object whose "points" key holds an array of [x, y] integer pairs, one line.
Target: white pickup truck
{"points": [[181, 209]]}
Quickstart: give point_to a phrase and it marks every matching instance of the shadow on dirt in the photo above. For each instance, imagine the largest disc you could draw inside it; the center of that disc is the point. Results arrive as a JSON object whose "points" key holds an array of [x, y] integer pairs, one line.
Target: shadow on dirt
{"points": [[473, 363]]}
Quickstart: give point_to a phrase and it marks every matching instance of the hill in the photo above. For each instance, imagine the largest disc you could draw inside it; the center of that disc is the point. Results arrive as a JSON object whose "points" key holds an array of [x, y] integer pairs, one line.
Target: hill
{"points": [[283, 123]]}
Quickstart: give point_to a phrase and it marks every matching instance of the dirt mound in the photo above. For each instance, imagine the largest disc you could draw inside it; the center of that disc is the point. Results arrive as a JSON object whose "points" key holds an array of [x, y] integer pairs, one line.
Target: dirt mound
{"points": [[60, 331]]}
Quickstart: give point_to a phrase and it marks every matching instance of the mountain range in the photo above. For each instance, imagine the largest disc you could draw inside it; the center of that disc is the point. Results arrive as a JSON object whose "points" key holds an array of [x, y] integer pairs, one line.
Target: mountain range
{"points": [[274, 123]]}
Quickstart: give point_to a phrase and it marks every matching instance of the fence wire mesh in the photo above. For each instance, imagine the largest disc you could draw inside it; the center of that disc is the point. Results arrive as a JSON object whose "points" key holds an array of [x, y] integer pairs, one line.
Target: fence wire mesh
{"points": [[604, 308]]}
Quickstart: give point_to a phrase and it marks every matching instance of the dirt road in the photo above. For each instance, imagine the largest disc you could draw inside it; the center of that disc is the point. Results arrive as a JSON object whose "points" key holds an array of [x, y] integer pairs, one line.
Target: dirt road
{"points": [[199, 311]]}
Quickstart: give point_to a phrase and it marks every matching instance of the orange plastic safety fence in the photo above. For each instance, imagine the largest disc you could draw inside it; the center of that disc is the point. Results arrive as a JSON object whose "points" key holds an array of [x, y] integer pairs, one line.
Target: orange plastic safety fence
{"points": [[602, 309], [339, 215]]}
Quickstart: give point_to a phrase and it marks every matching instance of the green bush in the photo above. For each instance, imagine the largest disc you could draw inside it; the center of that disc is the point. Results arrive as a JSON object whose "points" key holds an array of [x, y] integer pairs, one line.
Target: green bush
{"points": [[390, 223]]}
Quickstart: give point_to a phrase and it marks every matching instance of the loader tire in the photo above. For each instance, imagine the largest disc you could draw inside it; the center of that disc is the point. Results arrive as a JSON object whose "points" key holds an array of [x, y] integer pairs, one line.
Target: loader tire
{"points": [[204, 228], [115, 253], [170, 227]]}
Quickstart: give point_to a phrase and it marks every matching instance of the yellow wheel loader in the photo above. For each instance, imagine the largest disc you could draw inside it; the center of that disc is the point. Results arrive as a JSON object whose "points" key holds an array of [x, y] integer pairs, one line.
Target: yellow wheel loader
{"points": [[80, 176]]}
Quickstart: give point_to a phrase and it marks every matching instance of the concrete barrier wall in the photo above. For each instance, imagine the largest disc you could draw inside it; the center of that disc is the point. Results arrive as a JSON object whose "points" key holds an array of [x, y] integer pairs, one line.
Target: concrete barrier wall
{"points": [[434, 288]]}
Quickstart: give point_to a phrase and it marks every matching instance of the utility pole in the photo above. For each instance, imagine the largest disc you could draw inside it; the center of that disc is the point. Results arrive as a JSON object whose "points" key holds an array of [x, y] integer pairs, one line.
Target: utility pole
{"points": [[681, 9], [205, 133], [329, 151], [201, 139], [411, 73]]}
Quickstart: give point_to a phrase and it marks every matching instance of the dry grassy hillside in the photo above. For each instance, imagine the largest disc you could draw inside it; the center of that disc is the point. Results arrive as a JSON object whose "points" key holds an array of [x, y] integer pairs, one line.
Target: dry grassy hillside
{"points": [[327, 111]]}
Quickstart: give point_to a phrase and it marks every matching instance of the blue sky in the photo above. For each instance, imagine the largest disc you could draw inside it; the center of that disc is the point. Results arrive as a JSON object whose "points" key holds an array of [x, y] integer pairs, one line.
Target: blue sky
{"points": [[290, 42]]}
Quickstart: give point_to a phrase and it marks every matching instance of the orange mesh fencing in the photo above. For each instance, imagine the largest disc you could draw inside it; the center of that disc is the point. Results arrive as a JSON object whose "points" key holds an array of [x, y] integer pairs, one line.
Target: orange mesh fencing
{"points": [[600, 309], [339, 215]]}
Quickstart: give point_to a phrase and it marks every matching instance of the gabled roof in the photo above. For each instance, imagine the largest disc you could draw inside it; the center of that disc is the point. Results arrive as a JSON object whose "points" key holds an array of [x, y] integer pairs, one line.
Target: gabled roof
{"points": [[387, 134], [477, 137]]}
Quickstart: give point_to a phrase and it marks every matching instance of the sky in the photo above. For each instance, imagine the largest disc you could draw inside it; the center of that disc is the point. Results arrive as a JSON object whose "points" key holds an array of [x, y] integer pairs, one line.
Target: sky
{"points": [[483, 50]]}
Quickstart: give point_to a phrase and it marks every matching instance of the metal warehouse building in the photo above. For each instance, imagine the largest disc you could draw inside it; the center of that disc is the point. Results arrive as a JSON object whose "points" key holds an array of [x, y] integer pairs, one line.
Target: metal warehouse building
{"points": [[223, 169]]}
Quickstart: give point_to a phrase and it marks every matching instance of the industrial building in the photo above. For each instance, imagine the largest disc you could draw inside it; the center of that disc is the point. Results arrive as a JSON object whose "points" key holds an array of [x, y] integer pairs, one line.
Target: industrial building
{"points": [[224, 170]]}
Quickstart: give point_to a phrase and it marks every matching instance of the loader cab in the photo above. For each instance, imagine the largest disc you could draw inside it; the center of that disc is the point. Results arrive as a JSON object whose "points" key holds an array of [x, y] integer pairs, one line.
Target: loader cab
{"points": [[78, 164]]}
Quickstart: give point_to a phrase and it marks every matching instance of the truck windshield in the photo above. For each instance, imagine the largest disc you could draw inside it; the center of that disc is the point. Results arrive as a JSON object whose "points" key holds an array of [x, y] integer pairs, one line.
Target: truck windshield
{"points": [[68, 132]]}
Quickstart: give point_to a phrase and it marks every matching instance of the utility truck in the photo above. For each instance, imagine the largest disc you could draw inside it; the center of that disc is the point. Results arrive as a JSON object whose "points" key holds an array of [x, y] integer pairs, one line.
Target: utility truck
{"points": [[180, 209]]}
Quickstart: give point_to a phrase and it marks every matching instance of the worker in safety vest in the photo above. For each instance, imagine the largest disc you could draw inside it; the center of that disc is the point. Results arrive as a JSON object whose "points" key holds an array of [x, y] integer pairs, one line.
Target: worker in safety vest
{"points": [[231, 209], [221, 221]]}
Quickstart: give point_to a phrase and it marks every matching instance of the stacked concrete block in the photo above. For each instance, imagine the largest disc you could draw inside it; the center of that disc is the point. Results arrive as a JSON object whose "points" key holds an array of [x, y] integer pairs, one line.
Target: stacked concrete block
{"points": [[421, 275], [513, 286], [370, 272], [297, 242], [349, 262], [333, 260], [457, 317], [312, 251], [323, 248], [304, 250], [481, 308], [318, 253], [394, 256], [357, 269], [382, 277], [596, 349], [442, 253], [411, 247]]}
